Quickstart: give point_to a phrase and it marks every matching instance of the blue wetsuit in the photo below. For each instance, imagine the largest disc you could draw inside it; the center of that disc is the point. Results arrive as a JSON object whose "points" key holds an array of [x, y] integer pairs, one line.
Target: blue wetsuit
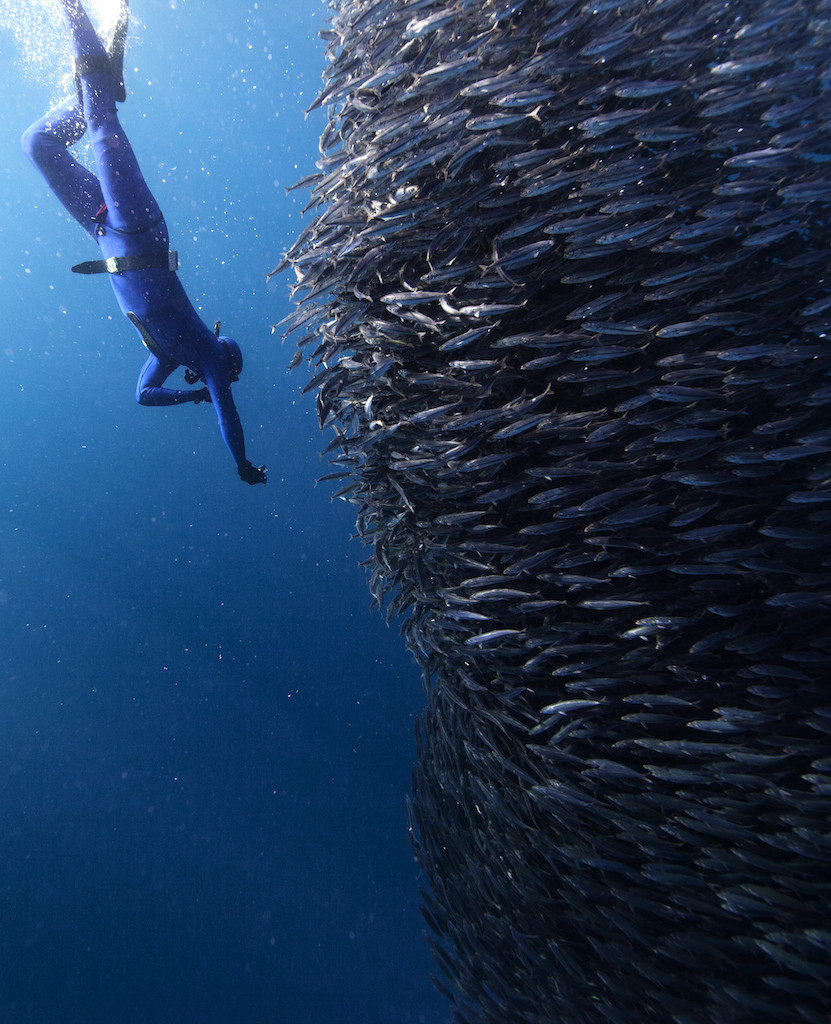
{"points": [[118, 210]]}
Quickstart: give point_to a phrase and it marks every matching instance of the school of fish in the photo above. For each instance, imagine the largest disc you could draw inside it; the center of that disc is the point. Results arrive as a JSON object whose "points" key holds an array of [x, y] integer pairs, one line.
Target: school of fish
{"points": [[566, 290]]}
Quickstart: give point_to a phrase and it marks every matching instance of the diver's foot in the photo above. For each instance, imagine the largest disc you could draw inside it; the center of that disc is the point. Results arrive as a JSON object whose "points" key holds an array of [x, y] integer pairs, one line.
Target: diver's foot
{"points": [[87, 64]]}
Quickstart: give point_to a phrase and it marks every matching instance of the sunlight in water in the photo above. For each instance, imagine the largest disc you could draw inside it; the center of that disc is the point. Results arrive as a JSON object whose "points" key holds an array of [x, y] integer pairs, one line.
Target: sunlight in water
{"points": [[42, 46]]}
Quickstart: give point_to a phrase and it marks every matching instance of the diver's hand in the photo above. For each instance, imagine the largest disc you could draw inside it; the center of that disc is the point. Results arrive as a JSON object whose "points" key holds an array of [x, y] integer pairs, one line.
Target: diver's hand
{"points": [[202, 395], [251, 474]]}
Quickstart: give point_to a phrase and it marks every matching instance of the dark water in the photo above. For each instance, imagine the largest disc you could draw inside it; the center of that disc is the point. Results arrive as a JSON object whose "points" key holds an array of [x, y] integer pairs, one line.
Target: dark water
{"points": [[205, 733]]}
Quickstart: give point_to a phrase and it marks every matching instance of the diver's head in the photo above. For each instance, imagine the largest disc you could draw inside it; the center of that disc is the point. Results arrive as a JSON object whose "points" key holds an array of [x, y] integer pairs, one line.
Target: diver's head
{"points": [[233, 350]]}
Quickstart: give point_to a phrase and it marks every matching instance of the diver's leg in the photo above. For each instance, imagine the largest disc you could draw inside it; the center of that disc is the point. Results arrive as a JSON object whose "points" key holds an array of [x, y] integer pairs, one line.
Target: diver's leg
{"points": [[47, 143], [130, 204]]}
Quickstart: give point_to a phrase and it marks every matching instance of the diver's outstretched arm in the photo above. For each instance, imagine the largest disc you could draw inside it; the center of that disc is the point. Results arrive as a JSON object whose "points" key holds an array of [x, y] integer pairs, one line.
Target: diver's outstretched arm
{"points": [[231, 429]]}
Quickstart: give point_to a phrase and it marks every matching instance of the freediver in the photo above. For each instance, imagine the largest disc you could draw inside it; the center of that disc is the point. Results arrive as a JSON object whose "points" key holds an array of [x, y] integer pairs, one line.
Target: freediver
{"points": [[119, 212]]}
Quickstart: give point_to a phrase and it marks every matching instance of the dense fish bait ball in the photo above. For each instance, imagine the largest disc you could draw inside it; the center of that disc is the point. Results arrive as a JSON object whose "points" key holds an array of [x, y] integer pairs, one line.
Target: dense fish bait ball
{"points": [[567, 290]]}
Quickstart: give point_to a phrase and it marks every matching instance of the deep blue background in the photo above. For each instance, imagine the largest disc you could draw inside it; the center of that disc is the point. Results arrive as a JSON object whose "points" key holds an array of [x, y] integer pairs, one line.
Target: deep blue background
{"points": [[205, 732]]}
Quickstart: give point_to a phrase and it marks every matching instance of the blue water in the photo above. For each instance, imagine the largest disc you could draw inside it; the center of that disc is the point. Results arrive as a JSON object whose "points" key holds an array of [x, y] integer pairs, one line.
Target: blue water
{"points": [[205, 732]]}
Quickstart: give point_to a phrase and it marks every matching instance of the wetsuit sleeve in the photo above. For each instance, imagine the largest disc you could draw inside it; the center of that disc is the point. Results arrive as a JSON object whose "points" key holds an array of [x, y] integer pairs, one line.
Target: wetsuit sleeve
{"points": [[226, 413], [149, 390]]}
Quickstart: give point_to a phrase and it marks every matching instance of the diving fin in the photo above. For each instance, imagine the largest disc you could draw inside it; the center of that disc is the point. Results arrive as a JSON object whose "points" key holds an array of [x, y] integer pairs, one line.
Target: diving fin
{"points": [[115, 50], [112, 62]]}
